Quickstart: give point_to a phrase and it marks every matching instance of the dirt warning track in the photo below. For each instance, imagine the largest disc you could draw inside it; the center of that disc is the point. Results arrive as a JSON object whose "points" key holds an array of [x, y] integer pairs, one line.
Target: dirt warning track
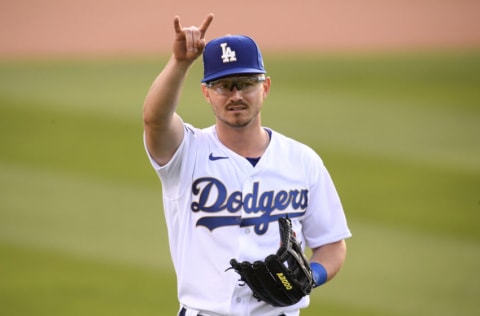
{"points": [[110, 27]]}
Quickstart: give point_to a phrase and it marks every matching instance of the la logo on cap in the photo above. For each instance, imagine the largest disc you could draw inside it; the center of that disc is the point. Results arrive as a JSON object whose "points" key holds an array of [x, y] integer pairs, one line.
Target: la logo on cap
{"points": [[228, 55]]}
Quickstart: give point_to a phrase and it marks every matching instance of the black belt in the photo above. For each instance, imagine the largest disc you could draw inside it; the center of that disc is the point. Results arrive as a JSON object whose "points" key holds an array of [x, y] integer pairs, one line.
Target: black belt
{"points": [[183, 311]]}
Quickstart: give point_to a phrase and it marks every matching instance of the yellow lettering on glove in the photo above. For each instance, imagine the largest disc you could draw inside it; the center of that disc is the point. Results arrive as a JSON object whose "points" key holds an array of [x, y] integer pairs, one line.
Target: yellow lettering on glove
{"points": [[284, 281]]}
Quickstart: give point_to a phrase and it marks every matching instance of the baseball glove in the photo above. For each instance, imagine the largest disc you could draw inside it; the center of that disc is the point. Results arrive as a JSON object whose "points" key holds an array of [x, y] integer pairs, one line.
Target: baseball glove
{"points": [[282, 279]]}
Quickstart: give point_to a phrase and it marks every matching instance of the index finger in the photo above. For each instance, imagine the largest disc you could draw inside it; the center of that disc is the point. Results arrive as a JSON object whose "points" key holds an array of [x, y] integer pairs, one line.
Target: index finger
{"points": [[176, 24], [205, 24]]}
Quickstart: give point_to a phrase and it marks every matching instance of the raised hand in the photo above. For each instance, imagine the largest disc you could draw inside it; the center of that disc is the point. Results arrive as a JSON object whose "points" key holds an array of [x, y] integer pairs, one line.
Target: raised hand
{"points": [[190, 41]]}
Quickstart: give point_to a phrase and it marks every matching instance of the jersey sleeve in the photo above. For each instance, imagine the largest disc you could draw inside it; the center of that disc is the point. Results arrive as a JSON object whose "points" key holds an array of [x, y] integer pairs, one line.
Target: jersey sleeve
{"points": [[172, 173], [325, 220]]}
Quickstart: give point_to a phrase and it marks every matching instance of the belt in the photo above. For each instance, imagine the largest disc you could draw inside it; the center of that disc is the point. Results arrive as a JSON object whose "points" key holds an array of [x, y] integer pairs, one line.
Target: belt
{"points": [[183, 311]]}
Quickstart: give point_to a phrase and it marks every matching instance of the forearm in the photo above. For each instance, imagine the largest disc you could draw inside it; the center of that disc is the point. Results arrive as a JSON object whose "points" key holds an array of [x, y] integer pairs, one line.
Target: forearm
{"points": [[163, 127], [162, 99], [331, 257]]}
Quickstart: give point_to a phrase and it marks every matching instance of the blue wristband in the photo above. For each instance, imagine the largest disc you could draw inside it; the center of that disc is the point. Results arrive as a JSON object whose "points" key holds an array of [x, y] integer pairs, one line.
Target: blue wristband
{"points": [[319, 273]]}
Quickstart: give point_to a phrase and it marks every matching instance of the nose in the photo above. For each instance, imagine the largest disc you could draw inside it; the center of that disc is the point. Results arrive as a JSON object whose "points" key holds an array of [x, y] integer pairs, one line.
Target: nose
{"points": [[235, 86], [236, 93]]}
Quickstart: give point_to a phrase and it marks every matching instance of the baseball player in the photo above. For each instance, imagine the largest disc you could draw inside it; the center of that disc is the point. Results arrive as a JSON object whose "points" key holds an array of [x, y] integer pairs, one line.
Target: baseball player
{"points": [[226, 186]]}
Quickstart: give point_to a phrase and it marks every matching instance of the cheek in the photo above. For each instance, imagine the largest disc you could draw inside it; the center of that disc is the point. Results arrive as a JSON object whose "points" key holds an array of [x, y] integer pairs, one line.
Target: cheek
{"points": [[261, 98], [213, 108], [216, 105]]}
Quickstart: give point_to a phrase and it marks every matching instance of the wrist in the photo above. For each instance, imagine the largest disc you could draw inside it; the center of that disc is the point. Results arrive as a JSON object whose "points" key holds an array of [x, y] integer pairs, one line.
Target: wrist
{"points": [[319, 273]]}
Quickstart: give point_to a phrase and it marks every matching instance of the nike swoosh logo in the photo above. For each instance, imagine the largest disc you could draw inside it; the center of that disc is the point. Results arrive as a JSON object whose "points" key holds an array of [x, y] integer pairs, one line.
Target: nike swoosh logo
{"points": [[213, 158]]}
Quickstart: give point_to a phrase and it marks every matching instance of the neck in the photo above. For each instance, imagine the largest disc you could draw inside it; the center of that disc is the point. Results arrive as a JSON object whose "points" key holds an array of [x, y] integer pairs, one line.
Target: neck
{"points": [[247, 141]]}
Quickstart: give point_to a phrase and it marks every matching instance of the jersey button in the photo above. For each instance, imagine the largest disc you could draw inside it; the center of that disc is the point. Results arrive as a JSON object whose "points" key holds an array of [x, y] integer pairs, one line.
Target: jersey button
{"points": [[238, 299], [247, 231]]}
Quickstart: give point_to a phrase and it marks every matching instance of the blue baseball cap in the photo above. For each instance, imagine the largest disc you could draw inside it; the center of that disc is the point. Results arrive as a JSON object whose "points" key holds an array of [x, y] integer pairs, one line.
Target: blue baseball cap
{"points": [[231, 55]]}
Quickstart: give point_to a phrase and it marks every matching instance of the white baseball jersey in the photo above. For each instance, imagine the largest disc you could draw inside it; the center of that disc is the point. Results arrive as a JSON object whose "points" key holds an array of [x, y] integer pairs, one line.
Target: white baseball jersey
{"points": [[218, 206]]}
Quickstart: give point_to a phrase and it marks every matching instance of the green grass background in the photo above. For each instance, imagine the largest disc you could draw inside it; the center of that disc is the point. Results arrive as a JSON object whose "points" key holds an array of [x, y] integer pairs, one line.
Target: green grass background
{"points": [[81, 223]]}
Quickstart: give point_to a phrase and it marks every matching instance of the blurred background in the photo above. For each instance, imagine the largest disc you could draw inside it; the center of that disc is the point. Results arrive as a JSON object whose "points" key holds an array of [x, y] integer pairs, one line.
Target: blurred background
{"points": [[387, 92]]}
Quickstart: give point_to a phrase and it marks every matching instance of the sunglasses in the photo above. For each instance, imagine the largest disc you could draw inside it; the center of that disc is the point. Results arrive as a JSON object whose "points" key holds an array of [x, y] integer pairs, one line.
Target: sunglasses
{"points": [[244, 84]]}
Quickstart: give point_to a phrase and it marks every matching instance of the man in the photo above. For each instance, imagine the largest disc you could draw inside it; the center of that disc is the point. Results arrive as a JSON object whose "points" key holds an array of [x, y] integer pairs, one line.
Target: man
{"points": [[225, 186]]}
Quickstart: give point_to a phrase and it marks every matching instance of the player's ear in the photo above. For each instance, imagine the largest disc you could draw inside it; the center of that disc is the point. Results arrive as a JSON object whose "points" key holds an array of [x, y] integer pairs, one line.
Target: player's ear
{"points": [[266, 87], [206, 92]]}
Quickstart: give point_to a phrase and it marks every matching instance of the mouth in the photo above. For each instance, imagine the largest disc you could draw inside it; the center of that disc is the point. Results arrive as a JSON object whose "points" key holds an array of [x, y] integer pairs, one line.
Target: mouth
{"points": [[236, 107]]}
